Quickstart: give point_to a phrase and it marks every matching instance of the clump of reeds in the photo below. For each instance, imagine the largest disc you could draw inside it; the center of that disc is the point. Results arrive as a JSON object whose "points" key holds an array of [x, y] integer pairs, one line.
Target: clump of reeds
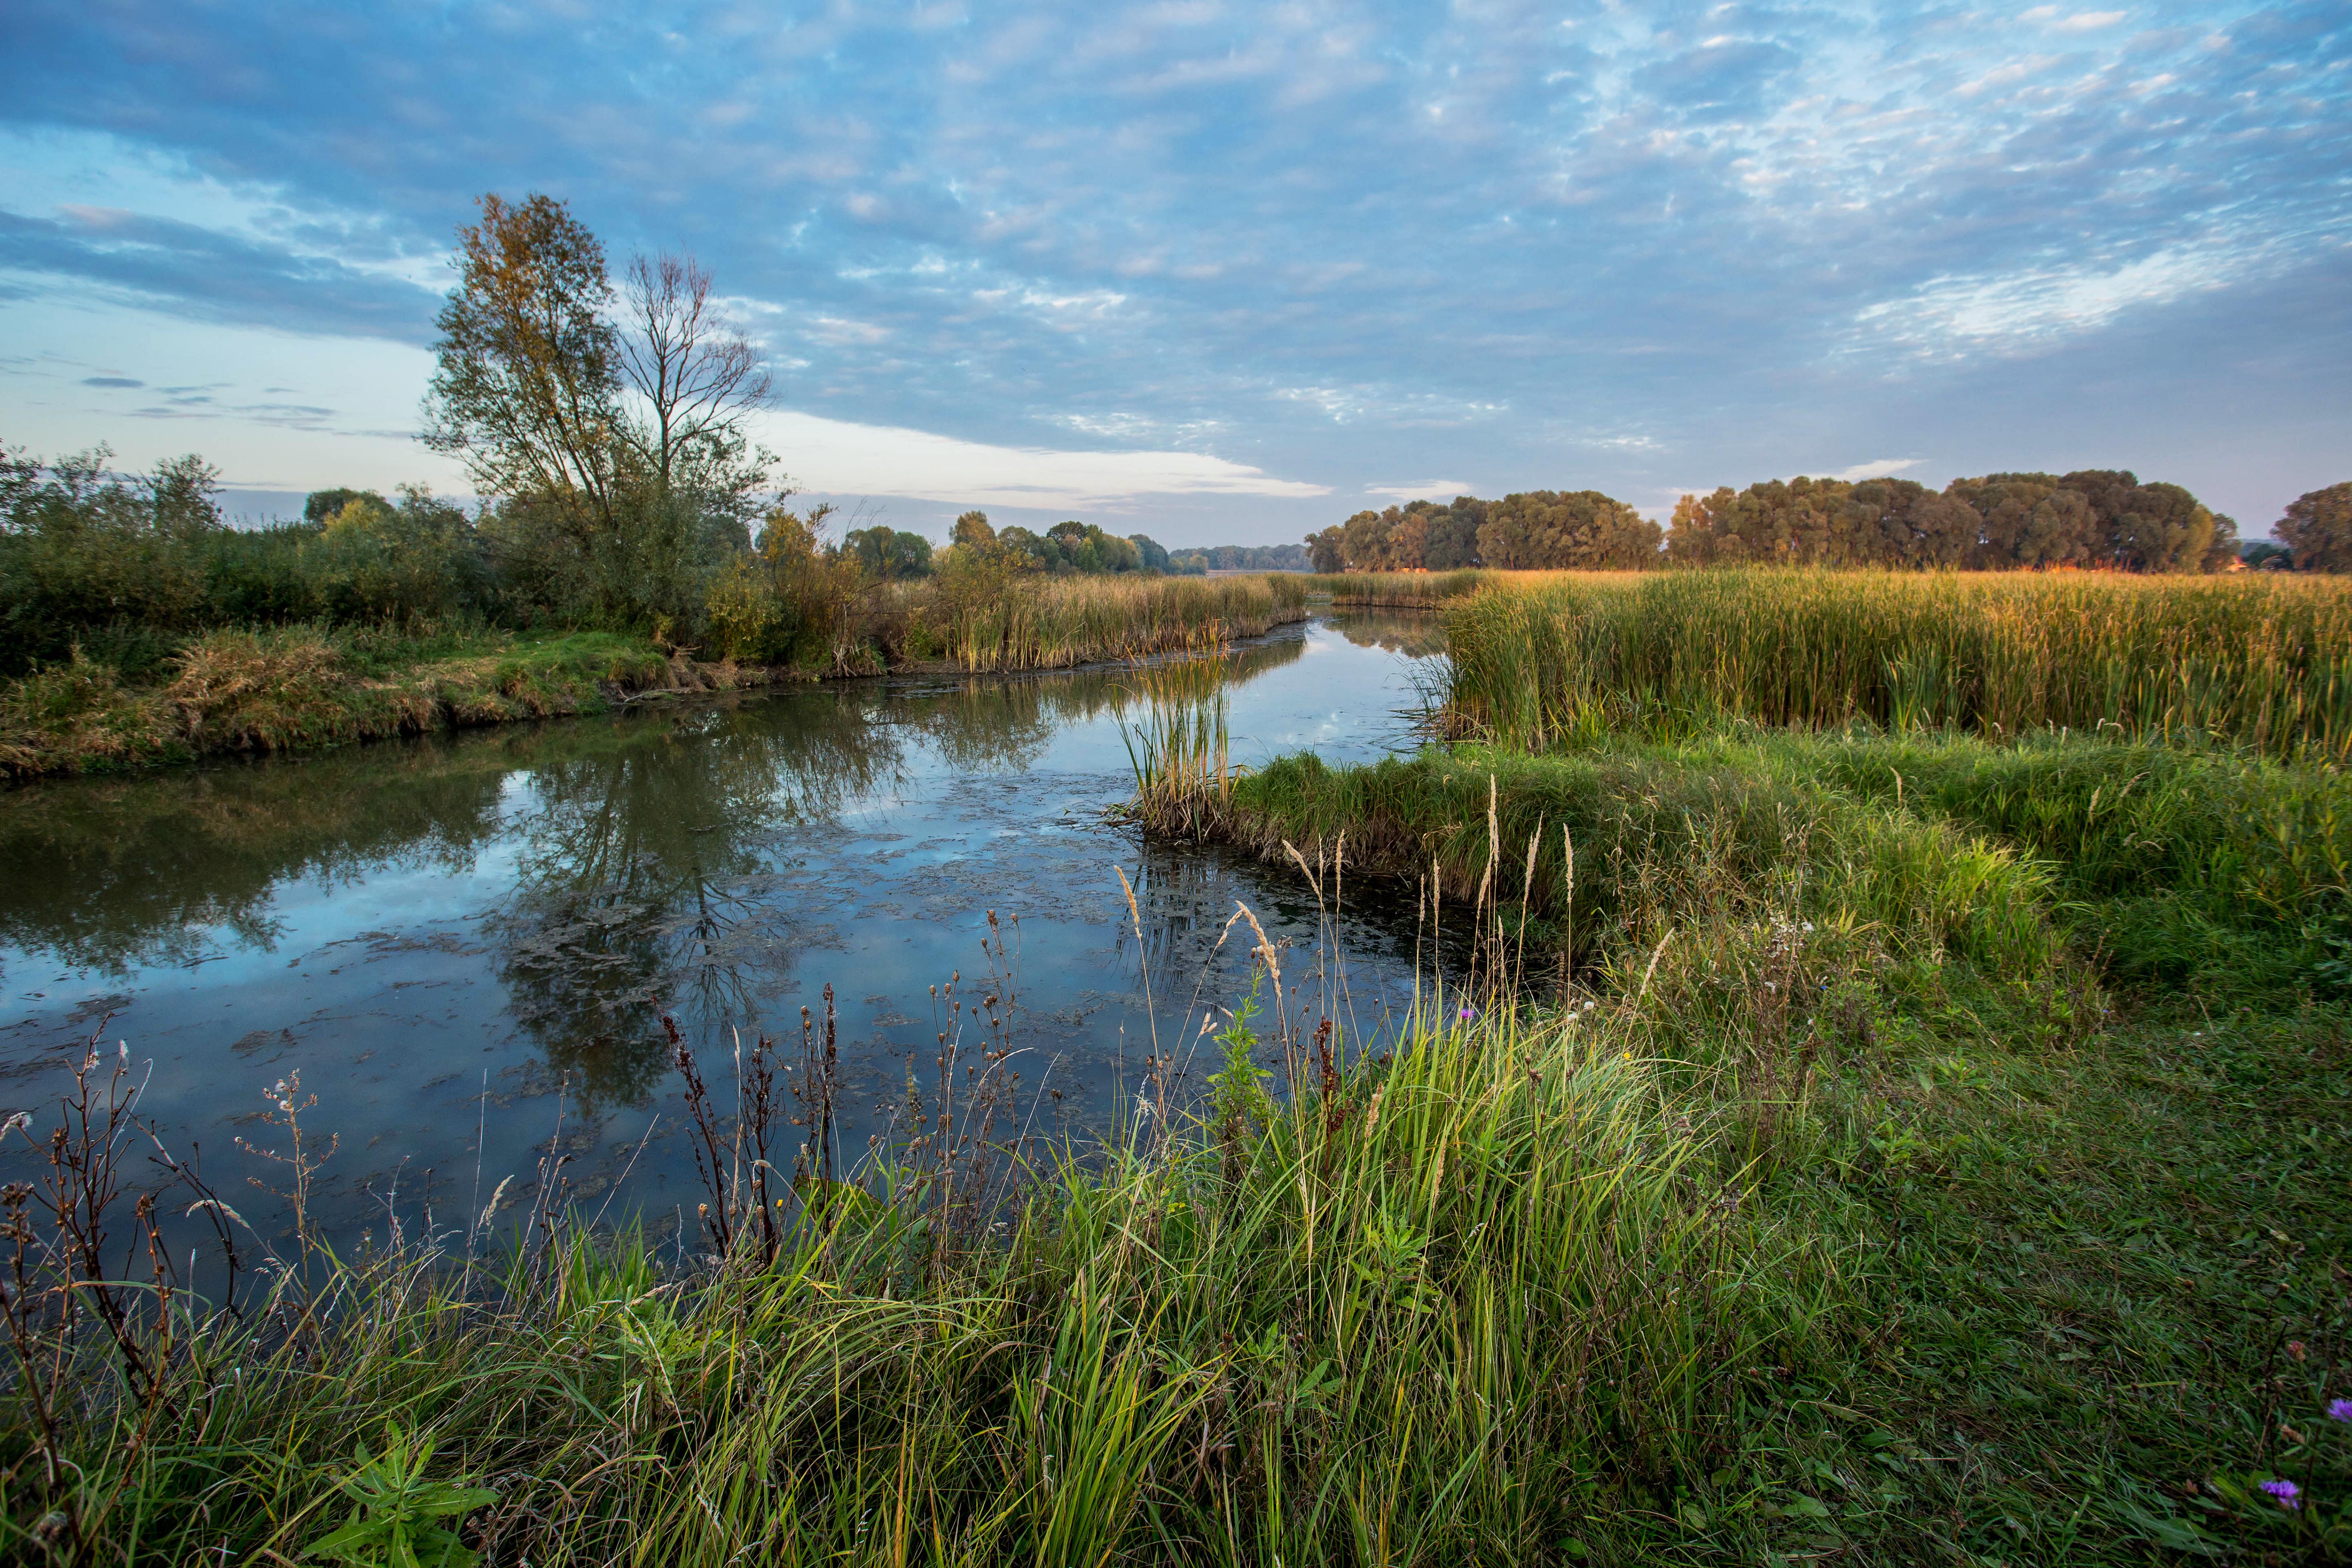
{"points": [[1400, 590], [2262, 661], [1053, 623], [1179, 746]]}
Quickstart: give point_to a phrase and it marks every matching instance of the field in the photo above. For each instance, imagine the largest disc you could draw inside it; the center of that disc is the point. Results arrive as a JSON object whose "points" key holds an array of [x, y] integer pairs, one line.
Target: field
{"points": [[1831, 1133]]}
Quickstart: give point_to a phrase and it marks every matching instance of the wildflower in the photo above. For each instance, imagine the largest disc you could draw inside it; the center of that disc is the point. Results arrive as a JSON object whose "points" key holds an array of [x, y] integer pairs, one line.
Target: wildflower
{"points": [[2289, 1495], [1468, 1014], [2339, 1410]]}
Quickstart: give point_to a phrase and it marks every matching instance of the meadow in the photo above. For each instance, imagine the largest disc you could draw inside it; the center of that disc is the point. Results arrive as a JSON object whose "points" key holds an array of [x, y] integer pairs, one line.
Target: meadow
{"points": [[1828, 1133]]}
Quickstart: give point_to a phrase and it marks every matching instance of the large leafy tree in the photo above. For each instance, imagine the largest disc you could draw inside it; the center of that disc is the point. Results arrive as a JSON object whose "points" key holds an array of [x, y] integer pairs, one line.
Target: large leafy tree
{"points": [[1574, 531], [527, 391], [618, 446], [2317, 528]]}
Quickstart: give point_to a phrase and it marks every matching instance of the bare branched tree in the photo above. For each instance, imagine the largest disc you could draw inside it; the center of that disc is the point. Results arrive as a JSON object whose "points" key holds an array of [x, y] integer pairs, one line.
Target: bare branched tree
{"points": [[697, 375]]}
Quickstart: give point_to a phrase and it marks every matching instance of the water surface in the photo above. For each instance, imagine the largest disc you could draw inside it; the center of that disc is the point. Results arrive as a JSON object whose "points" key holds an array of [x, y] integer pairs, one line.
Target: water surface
{"points": [[455, 938]]}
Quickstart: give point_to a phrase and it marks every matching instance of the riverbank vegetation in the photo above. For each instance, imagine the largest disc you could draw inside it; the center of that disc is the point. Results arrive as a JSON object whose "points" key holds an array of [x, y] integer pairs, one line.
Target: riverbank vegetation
{"points": [[2083, 993], [137, 626]]}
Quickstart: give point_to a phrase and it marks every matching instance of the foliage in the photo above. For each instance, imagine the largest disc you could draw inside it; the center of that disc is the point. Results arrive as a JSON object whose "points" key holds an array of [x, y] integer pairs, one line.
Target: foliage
{"points": [[2317, 530], [2002, 520], [1239, 558], [1083, 547], [396, 1510], [622, 452], [885, 556]]}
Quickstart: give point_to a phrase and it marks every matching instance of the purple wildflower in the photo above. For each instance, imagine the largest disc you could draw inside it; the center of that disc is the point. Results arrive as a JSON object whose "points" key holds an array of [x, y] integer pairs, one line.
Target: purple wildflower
{"points": [[2289, 1495], [1468, 1013], [2339, 1410]]}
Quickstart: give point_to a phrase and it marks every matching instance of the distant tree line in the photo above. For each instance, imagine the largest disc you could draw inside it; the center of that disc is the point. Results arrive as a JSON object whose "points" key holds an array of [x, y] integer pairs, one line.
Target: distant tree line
{"points": [[1242, 558], [2092, 518]]}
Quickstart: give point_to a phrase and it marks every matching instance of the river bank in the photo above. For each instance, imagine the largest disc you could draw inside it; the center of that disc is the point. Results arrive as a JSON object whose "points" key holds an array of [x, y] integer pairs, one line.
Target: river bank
{"points": [[299, 687]]}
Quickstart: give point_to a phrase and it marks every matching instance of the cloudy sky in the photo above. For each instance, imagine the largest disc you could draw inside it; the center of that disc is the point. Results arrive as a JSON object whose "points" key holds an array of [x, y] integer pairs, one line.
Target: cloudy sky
{"points": [[1225, 272]]}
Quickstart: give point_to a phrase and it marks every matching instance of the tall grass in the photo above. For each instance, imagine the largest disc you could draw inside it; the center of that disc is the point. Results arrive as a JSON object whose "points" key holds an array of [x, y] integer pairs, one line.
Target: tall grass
{"points": [[1053, 623], [1400, 590], [1495, 1291], [2262, 661]]}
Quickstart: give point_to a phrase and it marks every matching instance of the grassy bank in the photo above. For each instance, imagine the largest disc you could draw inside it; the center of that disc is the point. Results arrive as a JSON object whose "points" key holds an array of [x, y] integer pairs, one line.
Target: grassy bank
{"points": [[1803, 1242], [2053, 1036], [2262, 661], [292, 687], [2168, 864]]}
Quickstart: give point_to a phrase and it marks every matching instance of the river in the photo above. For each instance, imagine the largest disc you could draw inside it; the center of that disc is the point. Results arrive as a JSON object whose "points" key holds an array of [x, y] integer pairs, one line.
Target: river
{"points": [[464, 943]]}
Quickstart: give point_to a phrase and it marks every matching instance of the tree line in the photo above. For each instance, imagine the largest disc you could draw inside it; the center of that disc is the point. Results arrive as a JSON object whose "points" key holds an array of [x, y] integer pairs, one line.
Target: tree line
{"points": [[2092, 519]]}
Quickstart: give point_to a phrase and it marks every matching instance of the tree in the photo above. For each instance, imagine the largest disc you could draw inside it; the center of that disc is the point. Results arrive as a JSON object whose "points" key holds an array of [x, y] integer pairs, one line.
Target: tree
{"points": [[886, 554], [971, 530], [2147, 528], [2317, 528], [1325, 552], [1148, 552], [699, 379], [527, 391], [320, 505], [1576, 530], [1453, 539]]}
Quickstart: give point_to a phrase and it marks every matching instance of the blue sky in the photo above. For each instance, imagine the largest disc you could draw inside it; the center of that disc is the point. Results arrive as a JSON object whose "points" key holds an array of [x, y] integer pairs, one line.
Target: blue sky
{"points": [[1226, 272]]}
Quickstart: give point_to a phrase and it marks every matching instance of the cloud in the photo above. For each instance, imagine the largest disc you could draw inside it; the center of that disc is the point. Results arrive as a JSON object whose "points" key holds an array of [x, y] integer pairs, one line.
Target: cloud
{"points": [[221, 277], [1877, 469], [832, 456], [1429, 490], [111, 381], [1328, 244]]}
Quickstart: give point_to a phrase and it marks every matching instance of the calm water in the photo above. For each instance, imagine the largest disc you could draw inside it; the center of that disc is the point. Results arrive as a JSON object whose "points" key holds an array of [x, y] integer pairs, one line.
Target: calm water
{"points": [[450, 936]]}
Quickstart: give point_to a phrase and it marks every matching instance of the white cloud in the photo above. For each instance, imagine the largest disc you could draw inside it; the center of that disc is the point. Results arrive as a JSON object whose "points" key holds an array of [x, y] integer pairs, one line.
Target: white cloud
{"points": [[1428, 490], [1877, 469], [833, 457], [2088, 21], [1952, 317]]}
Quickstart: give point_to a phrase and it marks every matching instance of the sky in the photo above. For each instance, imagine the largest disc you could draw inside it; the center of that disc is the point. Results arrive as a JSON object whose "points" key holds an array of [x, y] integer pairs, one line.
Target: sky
{"points": [[1223, 273]]}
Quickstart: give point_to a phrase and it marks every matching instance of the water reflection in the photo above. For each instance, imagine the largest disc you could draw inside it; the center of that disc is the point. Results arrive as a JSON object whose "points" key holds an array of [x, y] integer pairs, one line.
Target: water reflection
{"points": [[443, 932]]}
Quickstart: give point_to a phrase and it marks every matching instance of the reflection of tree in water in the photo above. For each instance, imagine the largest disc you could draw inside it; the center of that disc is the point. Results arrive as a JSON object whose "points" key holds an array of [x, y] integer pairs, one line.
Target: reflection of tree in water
{"points": [[110, 875], [1414, 634], [650, 878]]}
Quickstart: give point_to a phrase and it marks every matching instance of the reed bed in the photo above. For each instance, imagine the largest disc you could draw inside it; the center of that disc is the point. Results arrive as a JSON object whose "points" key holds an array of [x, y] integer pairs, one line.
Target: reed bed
{"points": [[2262, 661], [1055, 622], [1400, 590]]}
